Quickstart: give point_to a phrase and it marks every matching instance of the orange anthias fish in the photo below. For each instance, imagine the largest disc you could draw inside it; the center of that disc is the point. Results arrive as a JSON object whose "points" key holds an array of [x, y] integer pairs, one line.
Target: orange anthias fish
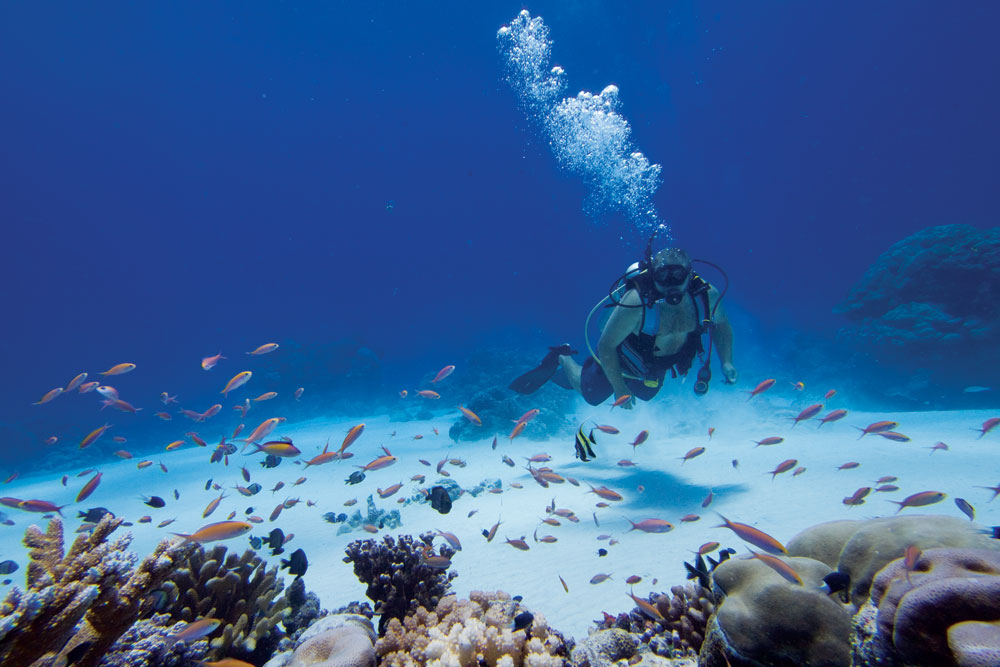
{"points": [[761, 388], [119, 369], [93, 436], [89, 488], [223, 530], [518, 429], [697, 451], [208, 363], [807, 413], [471, 416], [651, 525], [921, 499], [639, 439], [40, 506], [76, 382], [49, 395], [621, 400], [264, 349], [833, 416], [379, 463], [266, 396], [605, 492], [282, 448], [784, 466], [323, 457], [264, 429], [754, 536], [876, 427], [238, 381], [442, 374], [987, 426], [529, 415], [779, 566], [352, 436], [427, 393]]}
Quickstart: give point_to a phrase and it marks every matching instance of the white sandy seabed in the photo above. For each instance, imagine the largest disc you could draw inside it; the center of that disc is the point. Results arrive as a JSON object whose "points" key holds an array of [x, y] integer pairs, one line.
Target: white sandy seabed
{"points": [[669, 490]]}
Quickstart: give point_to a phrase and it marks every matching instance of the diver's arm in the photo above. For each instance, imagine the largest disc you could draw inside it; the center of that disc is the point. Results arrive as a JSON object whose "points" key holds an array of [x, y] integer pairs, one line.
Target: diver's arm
{"points": [[722, 335], [622, 322]]}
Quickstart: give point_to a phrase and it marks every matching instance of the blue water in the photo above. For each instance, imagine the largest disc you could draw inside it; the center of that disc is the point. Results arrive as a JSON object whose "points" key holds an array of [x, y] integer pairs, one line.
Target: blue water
{"points": [[180, 180]]}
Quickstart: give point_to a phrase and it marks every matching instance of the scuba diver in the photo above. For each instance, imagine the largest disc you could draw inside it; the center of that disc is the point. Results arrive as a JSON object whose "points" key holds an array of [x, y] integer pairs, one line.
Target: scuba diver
{"points": [[661, 309]]}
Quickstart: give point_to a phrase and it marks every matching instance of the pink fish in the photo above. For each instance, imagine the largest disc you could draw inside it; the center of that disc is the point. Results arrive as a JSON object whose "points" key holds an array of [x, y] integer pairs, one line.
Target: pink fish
{"points": [[442, 374], [49, 395], [987, 426], [761, 388], [264, 349], [833, 416], [167, 399], [76, 382], [236, 382], [808, 413], [208, 363]]}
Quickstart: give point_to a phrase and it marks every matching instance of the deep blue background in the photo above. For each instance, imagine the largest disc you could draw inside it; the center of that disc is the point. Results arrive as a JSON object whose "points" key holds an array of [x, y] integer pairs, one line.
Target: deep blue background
{"points": [[179, 179]]}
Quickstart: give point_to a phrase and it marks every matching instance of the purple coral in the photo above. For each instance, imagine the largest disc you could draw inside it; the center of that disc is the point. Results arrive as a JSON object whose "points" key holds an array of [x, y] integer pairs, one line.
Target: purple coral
{"points": [[397, 579]]}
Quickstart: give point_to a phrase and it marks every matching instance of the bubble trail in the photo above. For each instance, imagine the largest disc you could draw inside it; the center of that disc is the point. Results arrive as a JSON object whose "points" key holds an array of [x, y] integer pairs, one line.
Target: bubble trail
{"points": [[588, 135]]}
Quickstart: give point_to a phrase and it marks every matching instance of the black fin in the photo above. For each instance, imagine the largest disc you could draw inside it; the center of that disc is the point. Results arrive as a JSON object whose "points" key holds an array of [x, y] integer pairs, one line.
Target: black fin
{"points": [[533, 380]]}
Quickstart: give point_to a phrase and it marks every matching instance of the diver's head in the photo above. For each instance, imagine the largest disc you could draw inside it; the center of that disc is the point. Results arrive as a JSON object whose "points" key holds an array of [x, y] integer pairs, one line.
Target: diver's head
{"points": [[671, 269]]}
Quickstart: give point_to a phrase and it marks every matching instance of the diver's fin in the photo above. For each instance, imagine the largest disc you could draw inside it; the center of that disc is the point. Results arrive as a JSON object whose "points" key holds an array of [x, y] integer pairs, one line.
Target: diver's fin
{"points": [[533, 380]]}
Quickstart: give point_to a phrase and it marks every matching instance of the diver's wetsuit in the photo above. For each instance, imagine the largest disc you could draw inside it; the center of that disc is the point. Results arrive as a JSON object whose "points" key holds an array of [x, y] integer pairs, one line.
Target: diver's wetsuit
{"points": [[644, 372]]}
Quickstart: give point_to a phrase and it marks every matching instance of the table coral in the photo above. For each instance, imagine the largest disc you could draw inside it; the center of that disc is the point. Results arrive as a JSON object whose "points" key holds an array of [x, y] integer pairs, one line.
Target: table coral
{"points": [[472, 632]]}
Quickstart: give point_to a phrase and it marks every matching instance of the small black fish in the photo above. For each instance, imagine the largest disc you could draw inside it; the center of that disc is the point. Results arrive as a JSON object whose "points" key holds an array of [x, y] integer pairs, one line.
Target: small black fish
{"points": [[248, 511], [736, 463], [602, 552], [270, 461], [255, 542], [94, 514], [583, 445], [517, 598], [177, 494], [440, 500], [8, 567], [355, 477], [837, 582], [508, 461], [296, 564], [523, 620], [700, 572], [7, 582], [254, 488], [217, 455], [154, 501], [274, 540], [208, 484]]}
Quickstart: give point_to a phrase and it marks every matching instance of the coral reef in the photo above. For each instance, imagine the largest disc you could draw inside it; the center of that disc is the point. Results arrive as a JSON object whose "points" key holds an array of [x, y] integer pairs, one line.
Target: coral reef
{"points": [[909, 616], [348, 643], [679, 629], [303, 609], [762, 618], [374, 516], [470, 633], [145, 644], [397, 579], [865, 547], [80, 602], [237, 589], [933, 295], [340, 639]]}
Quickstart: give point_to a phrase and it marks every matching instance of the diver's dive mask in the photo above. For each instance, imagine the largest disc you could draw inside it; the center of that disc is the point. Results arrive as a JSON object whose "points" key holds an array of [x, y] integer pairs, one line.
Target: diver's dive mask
{"points": [[670, 280]]}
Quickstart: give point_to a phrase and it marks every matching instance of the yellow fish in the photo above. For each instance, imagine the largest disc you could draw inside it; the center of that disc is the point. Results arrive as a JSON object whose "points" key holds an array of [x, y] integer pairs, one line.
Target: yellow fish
{"points": [[238, 381]]}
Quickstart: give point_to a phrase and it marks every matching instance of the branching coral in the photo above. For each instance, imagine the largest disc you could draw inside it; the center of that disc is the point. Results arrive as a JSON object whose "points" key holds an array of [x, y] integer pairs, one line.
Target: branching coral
{"points": [[81, 601], [470, 633], [239, 590], [398, 579], [680, 628]]}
